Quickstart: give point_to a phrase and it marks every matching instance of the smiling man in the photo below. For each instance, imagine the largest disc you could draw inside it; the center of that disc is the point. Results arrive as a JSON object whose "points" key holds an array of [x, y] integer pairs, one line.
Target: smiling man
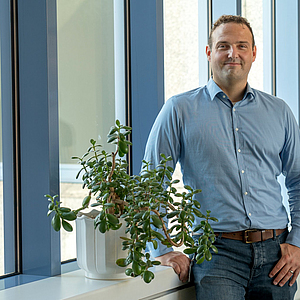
{"points": [[233, 141]]}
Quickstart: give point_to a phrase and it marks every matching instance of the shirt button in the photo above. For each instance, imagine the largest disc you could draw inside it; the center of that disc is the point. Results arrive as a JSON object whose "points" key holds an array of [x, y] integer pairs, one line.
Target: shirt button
{"points": [[249, 214], [239, 150], [243, 171], [246, 193], [236, 129], [224, 96], [234, 109]]}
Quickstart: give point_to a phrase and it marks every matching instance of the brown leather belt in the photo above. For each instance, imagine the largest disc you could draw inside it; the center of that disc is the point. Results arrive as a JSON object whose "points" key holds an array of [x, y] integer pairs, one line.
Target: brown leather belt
{"points": [[251, 235]]}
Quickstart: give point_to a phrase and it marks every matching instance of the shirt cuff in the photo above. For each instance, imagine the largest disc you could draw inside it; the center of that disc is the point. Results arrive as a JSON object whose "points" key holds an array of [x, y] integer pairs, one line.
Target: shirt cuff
{"points": [[160, 250], [293, 237]]}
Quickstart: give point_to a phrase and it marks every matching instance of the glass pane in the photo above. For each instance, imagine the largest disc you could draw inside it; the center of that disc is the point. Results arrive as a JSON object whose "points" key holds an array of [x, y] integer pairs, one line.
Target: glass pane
{"points": [[86, 82], [1, 191], [181, 54], [181, 50], [253, 12]]}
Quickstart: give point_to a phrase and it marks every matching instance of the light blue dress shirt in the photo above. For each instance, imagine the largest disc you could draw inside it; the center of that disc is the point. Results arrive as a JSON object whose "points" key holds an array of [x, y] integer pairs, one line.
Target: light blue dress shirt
{"points": [[234, 154]]}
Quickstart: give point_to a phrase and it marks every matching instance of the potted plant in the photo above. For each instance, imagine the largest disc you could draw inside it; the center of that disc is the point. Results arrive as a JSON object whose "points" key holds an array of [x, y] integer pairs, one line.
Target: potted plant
{"points": [[145, 203]]}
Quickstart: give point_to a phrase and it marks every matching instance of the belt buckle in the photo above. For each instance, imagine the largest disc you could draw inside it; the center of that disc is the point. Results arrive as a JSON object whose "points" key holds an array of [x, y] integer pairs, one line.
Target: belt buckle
{"points": [[246, 235]]}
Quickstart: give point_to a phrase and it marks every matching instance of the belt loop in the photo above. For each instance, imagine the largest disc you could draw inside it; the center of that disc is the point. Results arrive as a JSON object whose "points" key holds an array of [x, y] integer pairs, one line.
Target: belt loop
{"points": [[220, 235], [274, 234]]}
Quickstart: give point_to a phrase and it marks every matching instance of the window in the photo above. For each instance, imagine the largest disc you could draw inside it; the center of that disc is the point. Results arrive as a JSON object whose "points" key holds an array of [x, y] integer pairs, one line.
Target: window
{"points": [[88, 89], [181, 47], [253, 12], [1, 190]]}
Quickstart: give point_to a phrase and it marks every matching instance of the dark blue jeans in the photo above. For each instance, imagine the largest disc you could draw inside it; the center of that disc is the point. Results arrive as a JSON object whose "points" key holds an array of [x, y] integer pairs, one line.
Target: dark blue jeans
{"points": [[240, 271]]}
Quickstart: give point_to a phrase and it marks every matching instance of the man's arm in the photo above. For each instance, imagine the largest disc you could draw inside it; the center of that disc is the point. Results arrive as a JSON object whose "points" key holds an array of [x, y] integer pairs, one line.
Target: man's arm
{"points": [[179, 262], [289, 264]]}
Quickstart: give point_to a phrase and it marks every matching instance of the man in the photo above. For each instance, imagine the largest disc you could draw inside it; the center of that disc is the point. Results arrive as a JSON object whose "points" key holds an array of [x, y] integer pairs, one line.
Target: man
{"points": [[233, 142]]}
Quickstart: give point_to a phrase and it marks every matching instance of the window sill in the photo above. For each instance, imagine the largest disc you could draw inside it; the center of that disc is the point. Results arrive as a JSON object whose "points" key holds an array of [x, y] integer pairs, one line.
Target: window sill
{"points": [[75, 286]]}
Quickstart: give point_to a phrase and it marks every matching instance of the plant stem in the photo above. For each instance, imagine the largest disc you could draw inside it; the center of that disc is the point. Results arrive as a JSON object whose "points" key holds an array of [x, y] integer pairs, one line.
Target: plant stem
{"points": [[166, 232]]}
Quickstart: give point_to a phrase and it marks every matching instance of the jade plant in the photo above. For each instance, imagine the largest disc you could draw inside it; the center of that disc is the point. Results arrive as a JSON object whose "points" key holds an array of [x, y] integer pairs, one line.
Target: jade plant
{"points": [[147, 202]]}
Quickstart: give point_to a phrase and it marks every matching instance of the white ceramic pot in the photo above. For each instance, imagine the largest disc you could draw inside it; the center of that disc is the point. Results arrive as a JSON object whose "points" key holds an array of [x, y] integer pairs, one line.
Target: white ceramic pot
{"points": [[97, 252]]}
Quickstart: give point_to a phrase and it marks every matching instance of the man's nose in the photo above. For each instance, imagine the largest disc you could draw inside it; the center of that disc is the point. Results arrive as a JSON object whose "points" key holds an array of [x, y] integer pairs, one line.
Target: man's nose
{"points": [[232, 52]]}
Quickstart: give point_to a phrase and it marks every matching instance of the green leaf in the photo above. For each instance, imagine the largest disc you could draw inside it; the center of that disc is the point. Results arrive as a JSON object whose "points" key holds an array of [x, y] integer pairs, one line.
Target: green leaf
{"points": [[112, 130], [197, 204], [121, 262], [201, 260], [93, 142], [50, 198], [86, 201], [189, 251], [112, 138], [121, 154], [64, 209], [214, 248], [148, 276], [112, 219], [187, 187], [55, 222], [172, 214], [214, 219], [158, 235], [136, 268], [198, 213], [67, 226], [155, 245], [197, 228], [102, 226], [126, 127], [208, 255], [123, 147], [69, 216], [156, 221], [51, 206], [129, 272], [175, 181]]}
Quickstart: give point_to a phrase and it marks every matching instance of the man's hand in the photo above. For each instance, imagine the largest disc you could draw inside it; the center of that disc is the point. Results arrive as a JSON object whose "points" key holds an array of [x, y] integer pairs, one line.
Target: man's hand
{"points": [[288, 266], [178, 261]]}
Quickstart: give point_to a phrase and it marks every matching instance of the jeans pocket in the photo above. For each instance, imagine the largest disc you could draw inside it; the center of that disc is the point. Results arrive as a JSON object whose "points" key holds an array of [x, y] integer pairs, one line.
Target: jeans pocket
{"points": [[282, 237]]}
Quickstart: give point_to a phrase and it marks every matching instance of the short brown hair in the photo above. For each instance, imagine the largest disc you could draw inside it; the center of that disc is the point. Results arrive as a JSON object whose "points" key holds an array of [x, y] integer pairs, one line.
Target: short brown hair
{"points": [[230, 19]]}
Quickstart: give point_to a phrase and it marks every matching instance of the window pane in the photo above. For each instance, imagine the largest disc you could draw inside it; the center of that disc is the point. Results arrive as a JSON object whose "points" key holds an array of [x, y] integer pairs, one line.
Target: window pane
{"points": [[1, 191], [181, 51], [87, 90], [253, 12], [181, 54]]}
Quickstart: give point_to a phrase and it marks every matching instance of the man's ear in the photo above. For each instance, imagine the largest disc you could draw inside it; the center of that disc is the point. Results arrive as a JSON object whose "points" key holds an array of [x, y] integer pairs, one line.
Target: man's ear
{"points": [[254, 54], [208, 53]]}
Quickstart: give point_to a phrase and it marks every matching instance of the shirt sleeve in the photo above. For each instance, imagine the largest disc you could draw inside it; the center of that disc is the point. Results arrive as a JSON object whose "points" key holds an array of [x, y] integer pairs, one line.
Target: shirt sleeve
{"points": [[290, 157], [164, 138]]}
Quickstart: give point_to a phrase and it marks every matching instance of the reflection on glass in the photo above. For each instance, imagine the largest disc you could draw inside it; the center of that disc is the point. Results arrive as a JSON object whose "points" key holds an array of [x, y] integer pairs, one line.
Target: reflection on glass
{"points": [[86, 91], [253, 12]]}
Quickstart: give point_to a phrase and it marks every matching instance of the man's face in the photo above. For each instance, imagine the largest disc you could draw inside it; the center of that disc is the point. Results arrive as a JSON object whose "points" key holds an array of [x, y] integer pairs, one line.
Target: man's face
{"points": [[232, 53]]}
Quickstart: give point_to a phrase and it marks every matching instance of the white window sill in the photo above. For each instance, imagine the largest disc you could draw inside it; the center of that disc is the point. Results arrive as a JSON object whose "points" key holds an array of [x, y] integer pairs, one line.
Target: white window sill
{"points": [[75, 286]]}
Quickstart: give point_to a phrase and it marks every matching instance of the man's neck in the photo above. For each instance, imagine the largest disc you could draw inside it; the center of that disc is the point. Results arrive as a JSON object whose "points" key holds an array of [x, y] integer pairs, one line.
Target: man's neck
{"points": [[234, 90]]}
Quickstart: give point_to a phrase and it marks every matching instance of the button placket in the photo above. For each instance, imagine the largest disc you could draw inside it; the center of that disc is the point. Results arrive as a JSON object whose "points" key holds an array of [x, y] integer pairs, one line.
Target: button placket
{"points": [[240, 161]]}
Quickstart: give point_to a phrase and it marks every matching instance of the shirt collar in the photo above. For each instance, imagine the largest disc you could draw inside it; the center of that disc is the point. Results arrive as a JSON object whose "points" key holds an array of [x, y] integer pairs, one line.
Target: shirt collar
{"points": [[214, 90]]}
